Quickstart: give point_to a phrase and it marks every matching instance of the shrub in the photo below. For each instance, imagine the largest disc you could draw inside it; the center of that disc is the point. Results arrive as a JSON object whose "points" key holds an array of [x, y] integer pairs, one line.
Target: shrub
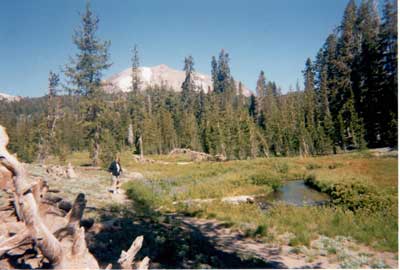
{"points": [[261, 230], [260, 180], [281, 167], [313, 166], [334, 165], [353, 195], [108, 149]]}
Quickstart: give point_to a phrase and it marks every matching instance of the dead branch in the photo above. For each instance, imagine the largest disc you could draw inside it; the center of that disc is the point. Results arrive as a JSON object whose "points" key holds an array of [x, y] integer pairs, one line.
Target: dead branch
{"points": [[15, 241], [144, 264], [127, 257], [73, 217]]}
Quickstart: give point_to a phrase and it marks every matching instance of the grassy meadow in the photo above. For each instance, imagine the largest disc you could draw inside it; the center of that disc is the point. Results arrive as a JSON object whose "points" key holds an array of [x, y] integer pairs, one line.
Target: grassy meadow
{"points": [[363, 188]]}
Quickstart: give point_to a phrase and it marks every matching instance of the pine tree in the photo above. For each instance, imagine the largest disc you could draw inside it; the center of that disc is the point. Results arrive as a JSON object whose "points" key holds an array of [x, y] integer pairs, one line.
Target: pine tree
{"points": [[214, 73], [47, 144], [324, 109], [223, 73], [188, 85], [366, 73], [272, 127], [354, 133], [389, 76], [310, 97], [136, 100], [318, 120], [167, 130], [84, 74], [136, 79], [261, 89], [151, 135], [53, 104], [241, 98], [253, 107], [85, 71]]}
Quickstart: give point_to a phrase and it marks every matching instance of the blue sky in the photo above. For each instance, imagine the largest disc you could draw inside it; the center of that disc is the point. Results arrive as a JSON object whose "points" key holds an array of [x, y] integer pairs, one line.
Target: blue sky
{"points": [[274, 36]]}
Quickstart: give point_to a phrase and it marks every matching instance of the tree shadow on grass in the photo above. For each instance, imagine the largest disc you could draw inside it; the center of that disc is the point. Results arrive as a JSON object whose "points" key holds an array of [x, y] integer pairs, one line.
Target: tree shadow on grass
{"points": [[168, 242]]}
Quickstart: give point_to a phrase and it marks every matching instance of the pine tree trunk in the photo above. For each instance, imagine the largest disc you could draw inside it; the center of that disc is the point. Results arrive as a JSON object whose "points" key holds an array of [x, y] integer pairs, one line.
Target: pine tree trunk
{"points": [[96, 148], [130, 135], [141, 147], [96, 151]]}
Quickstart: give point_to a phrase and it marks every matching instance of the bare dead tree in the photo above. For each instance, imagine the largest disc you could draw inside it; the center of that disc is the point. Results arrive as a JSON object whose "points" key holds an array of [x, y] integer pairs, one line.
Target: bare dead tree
{"points": [[32, 221]]}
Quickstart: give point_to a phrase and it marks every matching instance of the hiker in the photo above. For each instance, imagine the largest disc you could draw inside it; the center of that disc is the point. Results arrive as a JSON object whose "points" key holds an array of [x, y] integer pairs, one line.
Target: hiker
{"points": [[115, 169]]}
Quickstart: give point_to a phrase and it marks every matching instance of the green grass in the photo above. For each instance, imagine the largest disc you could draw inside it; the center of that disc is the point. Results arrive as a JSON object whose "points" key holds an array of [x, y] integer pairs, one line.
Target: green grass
{"points": [[360, 180], [374, 229]]}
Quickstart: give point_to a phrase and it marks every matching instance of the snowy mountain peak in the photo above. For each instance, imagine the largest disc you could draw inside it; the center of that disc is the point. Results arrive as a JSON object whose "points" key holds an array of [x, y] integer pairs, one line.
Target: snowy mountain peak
{"points": [[8, 97], [158, 75]]}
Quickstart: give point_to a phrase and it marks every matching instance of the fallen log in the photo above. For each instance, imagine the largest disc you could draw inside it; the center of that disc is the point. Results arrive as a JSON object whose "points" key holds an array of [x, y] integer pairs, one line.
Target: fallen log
{"points": [[194, 155]]}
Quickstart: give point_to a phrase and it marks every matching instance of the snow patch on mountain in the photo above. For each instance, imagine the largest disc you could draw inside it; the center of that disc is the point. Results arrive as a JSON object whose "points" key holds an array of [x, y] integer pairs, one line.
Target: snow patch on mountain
{"points": [[160, 75], [8, 97], [146, 74]]}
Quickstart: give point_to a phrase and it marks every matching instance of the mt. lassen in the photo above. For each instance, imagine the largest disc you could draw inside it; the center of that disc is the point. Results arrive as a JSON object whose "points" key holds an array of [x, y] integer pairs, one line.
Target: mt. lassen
{"points": [[158, 75], [7, 97]]}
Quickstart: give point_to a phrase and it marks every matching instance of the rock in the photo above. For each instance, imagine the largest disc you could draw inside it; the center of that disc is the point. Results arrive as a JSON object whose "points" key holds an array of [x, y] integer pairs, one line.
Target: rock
{"points": [[238, 199]]}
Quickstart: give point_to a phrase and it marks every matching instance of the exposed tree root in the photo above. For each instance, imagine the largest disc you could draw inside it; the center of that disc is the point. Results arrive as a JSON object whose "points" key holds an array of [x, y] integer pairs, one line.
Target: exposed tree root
{"points": [[38, 227]]}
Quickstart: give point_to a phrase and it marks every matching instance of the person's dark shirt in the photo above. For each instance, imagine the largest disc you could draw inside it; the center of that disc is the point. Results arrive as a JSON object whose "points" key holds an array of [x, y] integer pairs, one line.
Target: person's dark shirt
{"points": [[114, 168]]}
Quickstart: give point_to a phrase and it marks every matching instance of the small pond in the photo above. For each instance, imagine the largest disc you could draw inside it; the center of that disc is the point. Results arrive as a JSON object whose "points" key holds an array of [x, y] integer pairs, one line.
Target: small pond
{"points": [[294, 193]]}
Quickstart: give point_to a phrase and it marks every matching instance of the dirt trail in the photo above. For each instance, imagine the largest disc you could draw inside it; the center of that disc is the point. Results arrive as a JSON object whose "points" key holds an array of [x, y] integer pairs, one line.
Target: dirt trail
{"points": [[285, 256], [234, 242]]}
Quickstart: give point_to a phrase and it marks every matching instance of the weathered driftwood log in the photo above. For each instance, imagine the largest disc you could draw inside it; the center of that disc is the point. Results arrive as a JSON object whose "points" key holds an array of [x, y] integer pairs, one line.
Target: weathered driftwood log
{"points": [[32, 219], [5, 178]]}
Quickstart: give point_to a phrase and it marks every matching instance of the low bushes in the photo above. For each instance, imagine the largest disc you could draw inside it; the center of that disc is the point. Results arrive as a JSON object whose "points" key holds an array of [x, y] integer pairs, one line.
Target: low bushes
{"points": [[353, 195], [313, 166], [262, 179]]}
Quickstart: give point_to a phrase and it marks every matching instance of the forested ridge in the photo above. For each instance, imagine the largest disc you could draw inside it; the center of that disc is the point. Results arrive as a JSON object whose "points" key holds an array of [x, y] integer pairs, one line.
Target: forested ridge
{"points": [[348, 101]]}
